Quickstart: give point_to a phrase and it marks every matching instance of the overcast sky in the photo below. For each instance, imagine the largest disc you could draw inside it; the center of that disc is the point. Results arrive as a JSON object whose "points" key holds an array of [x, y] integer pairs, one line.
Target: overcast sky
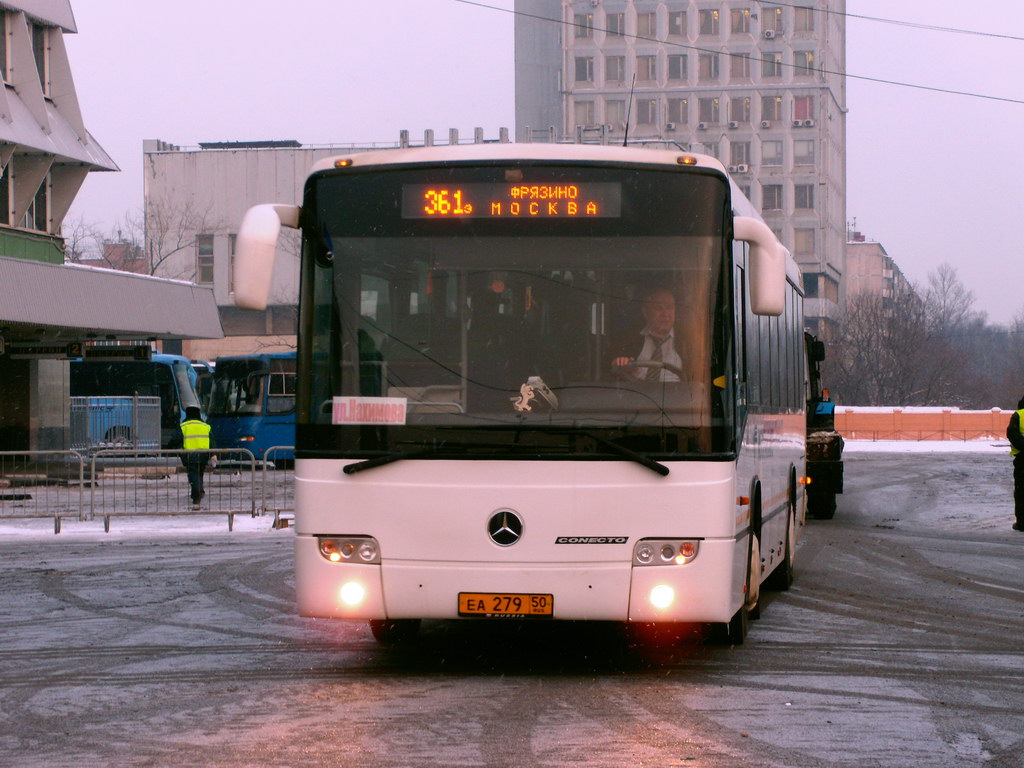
{"points": [[934, 177]]}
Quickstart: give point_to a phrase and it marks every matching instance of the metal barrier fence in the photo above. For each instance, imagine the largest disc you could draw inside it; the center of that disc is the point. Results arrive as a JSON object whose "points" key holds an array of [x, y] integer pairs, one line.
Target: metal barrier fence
{"points": [[112, 483], [42, 484], [150, 483], [115, 422], [278, 486]]}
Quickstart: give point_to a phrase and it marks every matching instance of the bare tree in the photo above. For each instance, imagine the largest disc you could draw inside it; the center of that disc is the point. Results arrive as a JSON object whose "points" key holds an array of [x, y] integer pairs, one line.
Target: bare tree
{"points": [[950, 304], [171, 231], [885, 353]]}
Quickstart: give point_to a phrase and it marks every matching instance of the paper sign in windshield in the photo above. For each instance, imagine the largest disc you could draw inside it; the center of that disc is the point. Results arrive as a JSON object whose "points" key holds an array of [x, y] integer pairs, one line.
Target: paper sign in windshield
{"points": [[368, 410]]}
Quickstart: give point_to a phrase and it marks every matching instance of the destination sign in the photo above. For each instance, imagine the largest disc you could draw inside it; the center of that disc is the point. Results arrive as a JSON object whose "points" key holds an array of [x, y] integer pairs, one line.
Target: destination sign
{"points": [[591, 200]]}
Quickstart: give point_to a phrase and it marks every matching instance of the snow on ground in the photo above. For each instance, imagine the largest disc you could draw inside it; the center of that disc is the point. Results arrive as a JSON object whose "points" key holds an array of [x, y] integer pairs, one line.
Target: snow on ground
{"points": [[927, 446]]}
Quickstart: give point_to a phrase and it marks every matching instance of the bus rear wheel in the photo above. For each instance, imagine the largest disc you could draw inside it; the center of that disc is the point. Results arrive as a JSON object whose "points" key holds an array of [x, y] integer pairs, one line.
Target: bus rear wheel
{"points": [[394, 631]]}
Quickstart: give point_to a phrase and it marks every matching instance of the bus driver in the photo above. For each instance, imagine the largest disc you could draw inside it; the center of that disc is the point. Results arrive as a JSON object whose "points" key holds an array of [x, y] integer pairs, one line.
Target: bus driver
{"points": [[656, 342]]}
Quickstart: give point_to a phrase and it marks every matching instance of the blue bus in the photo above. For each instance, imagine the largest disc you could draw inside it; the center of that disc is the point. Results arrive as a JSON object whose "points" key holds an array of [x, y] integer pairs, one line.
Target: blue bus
{"points": [[251, 404], [169, 377]]}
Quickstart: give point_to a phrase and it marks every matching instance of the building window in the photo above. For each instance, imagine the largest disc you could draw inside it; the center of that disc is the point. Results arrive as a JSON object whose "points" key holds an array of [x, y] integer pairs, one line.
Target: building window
{"points": [[803, 151], [739, 153], [39, 46], [614, 69], [646, 25], [739, 66], [615, 114], [707, 110], [707, 21], [771, 153], [771, 64], [771, 19], [711, 148], [740, 18], [232, 249], [804, 196], [803, 242], [204, 259], [3, 45], [811, 285], [771, 107], [739, 109], [804, 61], [615, 23], [5, 193], [584, 113], [771, 197], [40, 206], [677, 66], [584, 69], [677, 23], [646, 111], [679, 111], [707, 66], [583, 25], [803, 20], [646, 68], [745, 189], [803, 107]]}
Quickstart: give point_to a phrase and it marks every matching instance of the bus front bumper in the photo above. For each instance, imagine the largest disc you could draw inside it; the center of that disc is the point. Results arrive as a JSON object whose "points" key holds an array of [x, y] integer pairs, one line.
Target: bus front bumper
{"points": [[709, 589]]}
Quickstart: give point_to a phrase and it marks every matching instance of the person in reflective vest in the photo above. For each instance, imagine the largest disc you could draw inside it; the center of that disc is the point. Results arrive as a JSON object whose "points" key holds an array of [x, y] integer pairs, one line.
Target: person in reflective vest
{"points": [[1015, 434], [196, 440]]}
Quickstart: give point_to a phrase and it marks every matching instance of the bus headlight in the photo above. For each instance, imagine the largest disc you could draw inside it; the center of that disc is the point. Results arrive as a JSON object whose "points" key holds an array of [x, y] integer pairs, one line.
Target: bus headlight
{"points": [[662, 596], [352, 593], [665, 551], [349, 549]]}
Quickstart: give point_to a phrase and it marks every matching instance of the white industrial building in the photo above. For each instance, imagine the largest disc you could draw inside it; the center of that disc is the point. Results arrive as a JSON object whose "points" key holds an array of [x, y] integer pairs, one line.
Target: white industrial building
{"points": [[756, 84]]}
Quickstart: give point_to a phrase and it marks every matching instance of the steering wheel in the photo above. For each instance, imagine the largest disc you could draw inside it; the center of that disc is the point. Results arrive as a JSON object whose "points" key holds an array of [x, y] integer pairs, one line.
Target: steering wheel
{"points": [[624, 371]]}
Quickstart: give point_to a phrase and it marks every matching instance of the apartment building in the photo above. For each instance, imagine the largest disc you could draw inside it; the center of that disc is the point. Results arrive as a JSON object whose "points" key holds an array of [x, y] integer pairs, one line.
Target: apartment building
{"points": [[870, 270], [757, 85]]}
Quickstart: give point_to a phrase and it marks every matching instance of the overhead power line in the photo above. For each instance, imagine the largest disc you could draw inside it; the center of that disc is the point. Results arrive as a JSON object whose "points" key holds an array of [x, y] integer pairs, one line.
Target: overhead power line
{"points": [[865, 78], [913, 24]]}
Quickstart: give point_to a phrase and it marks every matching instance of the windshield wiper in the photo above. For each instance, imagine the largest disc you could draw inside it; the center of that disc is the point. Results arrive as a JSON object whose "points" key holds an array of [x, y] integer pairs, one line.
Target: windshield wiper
{"points": [[628, 453], [379, 461]]}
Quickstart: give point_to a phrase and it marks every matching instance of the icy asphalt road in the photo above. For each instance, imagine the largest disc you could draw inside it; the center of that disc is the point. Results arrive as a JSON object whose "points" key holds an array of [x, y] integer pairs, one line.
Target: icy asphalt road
{"points": [[175, 643]]}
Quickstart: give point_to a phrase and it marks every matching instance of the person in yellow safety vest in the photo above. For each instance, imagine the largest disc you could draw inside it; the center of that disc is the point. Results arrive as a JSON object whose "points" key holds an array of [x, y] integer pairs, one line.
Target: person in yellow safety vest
{"points": [[196, 440], [1015, 434]]}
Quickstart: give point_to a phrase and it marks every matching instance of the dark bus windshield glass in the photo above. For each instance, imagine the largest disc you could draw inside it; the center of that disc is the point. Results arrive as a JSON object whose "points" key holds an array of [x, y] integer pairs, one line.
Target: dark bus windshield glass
{"points": [[421, 332]]}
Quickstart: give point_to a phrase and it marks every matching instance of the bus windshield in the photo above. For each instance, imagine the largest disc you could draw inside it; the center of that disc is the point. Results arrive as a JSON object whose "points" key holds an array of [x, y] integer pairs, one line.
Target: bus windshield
{"points": [[251, 386], [519, 331]]}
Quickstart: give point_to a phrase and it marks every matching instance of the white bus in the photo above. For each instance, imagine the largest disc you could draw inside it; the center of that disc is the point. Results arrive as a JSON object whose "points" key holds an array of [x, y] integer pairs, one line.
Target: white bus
{"points": [[470, 443]]}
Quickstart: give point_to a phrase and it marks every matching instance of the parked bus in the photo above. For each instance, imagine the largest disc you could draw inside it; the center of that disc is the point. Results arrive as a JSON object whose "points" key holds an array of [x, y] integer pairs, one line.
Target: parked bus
{"points": [[169, 377], [251, 403], [466, 448]]}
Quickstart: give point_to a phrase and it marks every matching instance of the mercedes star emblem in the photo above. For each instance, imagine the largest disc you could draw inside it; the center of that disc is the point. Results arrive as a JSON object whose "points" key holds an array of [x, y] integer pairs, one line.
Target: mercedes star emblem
{"points": [[505, 528]]}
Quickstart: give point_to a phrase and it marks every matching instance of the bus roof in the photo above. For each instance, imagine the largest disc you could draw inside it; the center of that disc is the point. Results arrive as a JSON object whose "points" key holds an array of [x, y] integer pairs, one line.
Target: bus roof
{"points": [[497, 151]]}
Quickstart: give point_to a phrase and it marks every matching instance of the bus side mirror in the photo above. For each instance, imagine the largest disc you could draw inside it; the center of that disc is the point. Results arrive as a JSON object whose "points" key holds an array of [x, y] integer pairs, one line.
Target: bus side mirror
{"points": [[767, 266], [255, 250]]}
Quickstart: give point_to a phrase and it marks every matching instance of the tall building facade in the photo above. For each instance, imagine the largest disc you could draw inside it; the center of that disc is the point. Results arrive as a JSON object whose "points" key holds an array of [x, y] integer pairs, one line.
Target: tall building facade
{"points": [[870, 270], [756, 84]]}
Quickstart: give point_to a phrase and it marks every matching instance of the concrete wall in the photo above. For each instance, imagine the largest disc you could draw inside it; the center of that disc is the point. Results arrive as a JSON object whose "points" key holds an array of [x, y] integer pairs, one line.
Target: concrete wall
{"points": [[920, 424]]}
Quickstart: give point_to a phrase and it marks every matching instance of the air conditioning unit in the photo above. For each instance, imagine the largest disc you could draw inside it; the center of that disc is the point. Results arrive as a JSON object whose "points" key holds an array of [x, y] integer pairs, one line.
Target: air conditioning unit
{"points": [[742, 168], [798, 123], [733, 124], [808, 123], [732, 168], [769, 34], [702, 126], [670, 126], [766, 123]]}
